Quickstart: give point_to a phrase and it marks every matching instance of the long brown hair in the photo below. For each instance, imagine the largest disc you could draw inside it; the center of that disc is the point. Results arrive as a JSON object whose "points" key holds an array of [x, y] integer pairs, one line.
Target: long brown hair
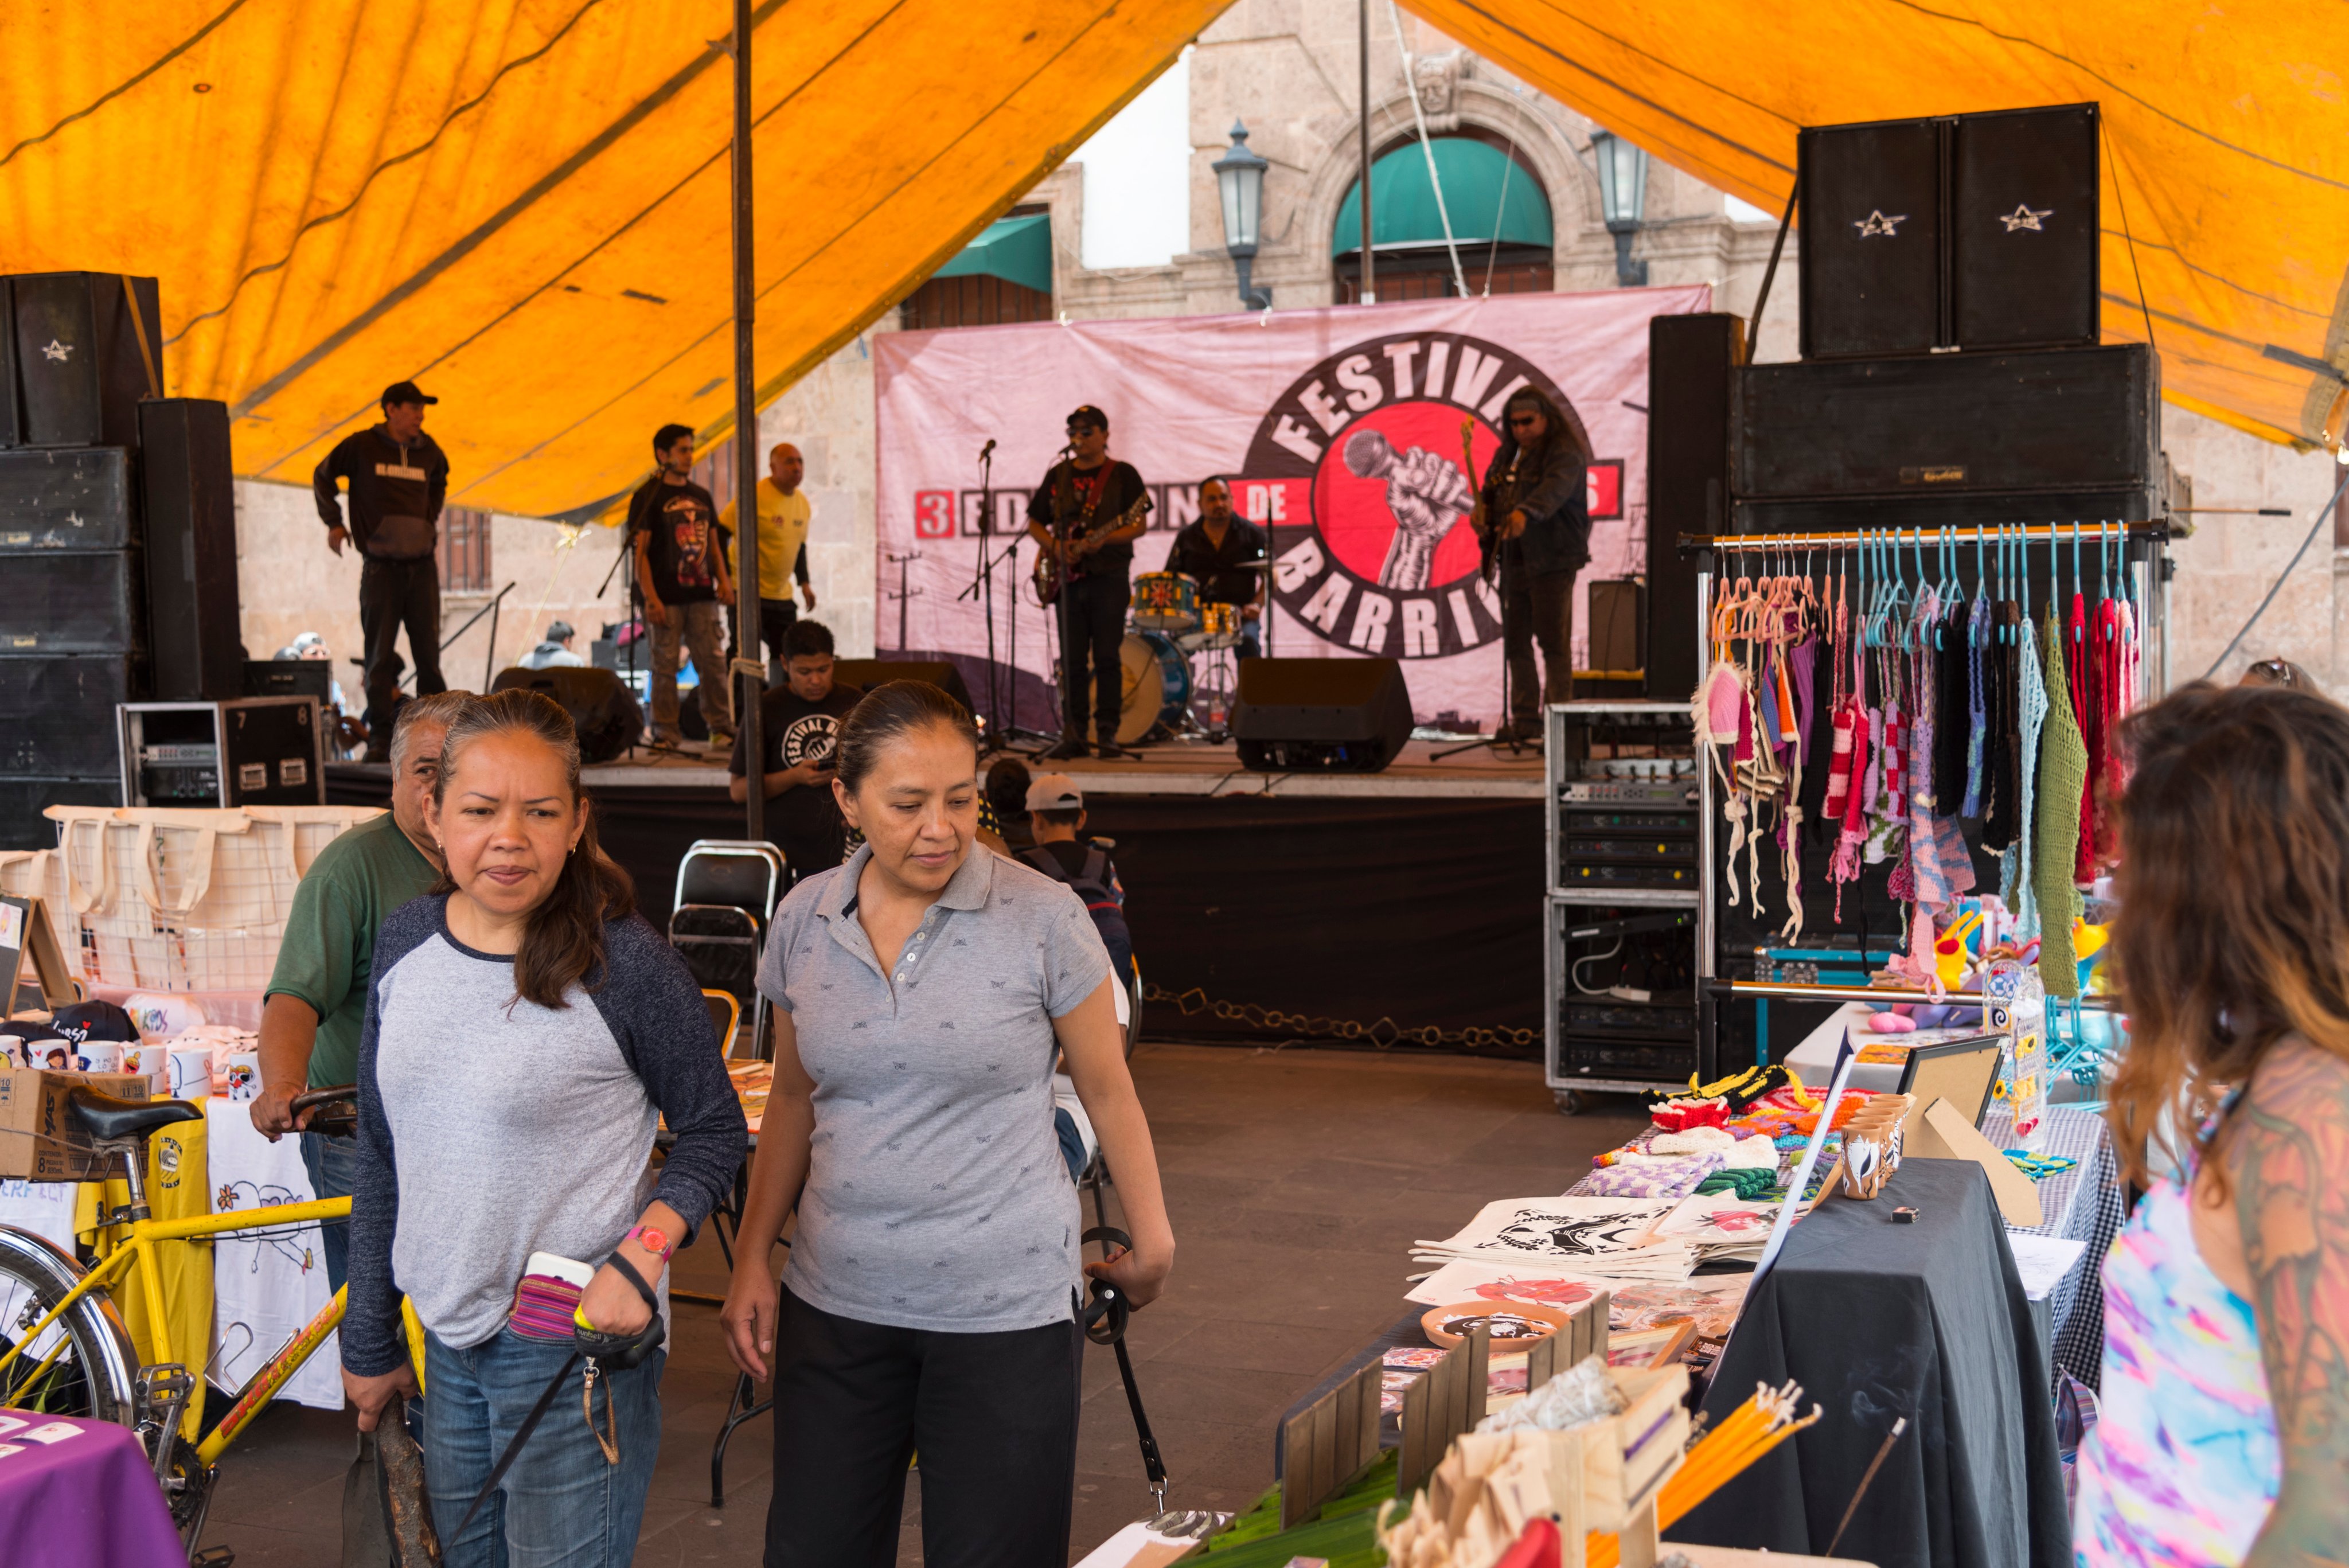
{"points": [[2234, 930], [563, 942]]}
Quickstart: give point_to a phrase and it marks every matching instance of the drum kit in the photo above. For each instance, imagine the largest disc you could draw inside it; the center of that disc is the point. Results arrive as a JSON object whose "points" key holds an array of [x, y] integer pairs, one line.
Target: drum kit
{"points": [[1165, 690]]}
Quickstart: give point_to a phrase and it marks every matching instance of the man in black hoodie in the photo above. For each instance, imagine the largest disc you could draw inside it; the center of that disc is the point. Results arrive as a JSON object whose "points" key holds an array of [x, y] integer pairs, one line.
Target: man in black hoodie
{"points": [[398, 478], [1537, 499]]}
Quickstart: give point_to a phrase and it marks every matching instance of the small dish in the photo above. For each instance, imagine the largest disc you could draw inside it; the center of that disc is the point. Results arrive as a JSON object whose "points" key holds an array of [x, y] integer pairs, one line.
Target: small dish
{"points": [[1517, 1325]]}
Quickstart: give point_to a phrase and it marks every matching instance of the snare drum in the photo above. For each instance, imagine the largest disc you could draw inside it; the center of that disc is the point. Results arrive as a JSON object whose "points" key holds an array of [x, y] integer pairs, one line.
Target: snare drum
{"points": [[1165, 602], [1219, 626]]}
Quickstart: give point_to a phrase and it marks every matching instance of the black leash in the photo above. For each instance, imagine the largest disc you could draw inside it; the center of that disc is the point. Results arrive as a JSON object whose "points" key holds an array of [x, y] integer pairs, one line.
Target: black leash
{"points": [[1103, 1320], [609, 1352]]}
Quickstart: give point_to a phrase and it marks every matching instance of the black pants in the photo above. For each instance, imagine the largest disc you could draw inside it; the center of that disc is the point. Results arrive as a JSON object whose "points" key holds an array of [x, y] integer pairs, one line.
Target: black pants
{"points": [[993, 1416], [1095, 608], [776, 618], [393, 594], [1537, 609]]}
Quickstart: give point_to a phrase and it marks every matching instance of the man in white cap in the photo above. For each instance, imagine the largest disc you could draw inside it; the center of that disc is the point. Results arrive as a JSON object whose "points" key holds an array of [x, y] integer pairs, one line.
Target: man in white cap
{"points": [[1056, 810]]}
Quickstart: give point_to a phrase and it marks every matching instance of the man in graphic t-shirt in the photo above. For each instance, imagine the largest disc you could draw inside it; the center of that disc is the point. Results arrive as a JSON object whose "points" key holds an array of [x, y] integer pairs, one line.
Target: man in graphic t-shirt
{"points": [[399, 477], [799, 721], [680, 554], [1086, 516]]}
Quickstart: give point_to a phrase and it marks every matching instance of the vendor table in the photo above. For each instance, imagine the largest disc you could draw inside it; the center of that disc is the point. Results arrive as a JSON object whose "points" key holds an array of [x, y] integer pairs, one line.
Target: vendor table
{"points": [[76, 1492], [1878, 1320]]}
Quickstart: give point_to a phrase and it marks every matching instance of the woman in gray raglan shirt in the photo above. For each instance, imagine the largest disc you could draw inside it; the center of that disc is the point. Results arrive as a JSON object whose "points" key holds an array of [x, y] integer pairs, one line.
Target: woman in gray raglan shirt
{"points": [[525, 1033], [921, 992]]}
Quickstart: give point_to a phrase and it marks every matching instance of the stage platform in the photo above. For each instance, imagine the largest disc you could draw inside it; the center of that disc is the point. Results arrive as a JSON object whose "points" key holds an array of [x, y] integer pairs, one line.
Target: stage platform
{"points": [[1402, 907]]}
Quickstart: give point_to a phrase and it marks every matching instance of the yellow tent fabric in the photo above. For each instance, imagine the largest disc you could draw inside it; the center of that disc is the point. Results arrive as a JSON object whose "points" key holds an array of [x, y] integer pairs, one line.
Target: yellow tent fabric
{"points": [[523, 204], [2226, 126]]}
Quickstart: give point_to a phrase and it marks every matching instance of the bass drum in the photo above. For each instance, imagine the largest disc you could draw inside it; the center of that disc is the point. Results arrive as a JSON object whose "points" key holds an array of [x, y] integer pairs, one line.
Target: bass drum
{"points": [[1157, 680]]}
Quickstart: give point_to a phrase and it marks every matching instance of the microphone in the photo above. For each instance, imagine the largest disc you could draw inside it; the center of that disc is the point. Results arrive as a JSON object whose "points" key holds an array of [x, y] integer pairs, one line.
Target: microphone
{"points": [[983, 451]]}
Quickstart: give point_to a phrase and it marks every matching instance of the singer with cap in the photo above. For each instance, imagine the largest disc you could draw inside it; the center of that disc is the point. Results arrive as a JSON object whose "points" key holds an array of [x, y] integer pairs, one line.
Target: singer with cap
{"points": [[1084, 519], [398, 478]]}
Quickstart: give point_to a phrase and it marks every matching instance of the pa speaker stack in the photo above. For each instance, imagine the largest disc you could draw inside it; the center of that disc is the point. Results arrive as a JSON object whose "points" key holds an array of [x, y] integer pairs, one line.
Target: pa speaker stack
{"points": [[1320, 715], [118, 539]]}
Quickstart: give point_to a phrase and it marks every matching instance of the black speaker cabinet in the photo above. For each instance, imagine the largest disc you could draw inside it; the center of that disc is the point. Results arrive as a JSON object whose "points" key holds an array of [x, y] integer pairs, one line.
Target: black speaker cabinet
{"points": [[2024, 241], [22, 800], [602, 708], [1691, 361], [73, 601], [191, 591], [290, 678], [74, 498], [11, 431], [1870, 199], [2073, 421], [56, 715], [1320, 715], [866, 673], [80, 369]]}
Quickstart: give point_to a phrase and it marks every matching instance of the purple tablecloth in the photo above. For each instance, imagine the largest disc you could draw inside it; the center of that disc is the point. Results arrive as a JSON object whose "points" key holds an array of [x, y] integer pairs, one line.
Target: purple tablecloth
{"points": [[75, 1492]]}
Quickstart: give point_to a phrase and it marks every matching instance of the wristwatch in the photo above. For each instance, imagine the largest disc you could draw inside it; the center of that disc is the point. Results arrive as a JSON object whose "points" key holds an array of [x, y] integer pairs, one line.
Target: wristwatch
{"points": [[655, 1242]]}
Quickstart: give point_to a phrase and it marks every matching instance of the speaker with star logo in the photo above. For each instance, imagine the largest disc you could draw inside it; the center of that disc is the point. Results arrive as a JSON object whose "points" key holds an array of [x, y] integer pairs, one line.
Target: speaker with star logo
{"points": [[88, 347], [1869, 200], [2024, 222]]}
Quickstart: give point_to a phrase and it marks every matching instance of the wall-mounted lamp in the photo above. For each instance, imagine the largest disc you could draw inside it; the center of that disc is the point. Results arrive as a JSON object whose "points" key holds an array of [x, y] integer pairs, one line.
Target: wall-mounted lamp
{"points": [[1239, 179], [1622, 199]]}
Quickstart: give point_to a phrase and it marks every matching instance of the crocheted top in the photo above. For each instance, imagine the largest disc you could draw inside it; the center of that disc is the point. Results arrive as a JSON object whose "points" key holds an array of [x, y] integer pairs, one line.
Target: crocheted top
{"points": [[2015, 883], [2062, 775]]}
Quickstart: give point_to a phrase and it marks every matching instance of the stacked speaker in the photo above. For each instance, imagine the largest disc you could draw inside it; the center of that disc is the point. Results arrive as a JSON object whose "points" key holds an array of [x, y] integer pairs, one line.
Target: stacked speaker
{"points": [[118, 539]]}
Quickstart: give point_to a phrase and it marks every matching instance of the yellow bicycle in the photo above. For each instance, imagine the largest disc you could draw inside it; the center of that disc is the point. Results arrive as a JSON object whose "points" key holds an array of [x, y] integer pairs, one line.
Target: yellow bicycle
{"points": [[63, 1348]]}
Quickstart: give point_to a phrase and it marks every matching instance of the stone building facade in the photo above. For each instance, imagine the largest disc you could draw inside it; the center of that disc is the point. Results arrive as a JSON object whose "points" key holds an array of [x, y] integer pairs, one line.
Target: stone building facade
{"points": [[1288, 69]]}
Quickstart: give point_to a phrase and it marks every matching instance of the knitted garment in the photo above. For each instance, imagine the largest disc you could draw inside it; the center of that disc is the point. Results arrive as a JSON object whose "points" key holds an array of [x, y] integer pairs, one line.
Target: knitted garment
{"points": [[2080, 670], [2002, 681], [1950, 727], [1752, 1185], [2063, 775], [1668, 1178], [2108, 637], [2014, 877], [1693, 1140], [1977, 713]]}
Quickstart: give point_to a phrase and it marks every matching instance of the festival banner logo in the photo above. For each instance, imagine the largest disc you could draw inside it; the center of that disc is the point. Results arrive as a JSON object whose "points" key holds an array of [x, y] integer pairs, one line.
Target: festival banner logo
{"points": [[1364, 471]]}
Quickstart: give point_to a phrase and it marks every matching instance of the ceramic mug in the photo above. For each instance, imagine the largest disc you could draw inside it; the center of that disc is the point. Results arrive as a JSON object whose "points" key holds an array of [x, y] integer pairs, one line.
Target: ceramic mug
{"points": [[56, 1056], [245, 1076], [152, 1062], [190, 1073], [98, 1056]]}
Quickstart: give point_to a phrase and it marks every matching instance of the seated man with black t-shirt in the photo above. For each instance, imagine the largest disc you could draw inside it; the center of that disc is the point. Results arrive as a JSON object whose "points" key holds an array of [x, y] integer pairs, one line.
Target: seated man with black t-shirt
{"points": [[1212, 553], [798, 722]]}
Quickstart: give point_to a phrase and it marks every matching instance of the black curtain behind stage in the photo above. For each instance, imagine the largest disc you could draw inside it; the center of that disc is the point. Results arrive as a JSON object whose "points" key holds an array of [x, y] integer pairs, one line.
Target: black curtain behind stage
{"points": [[1386, 919]]}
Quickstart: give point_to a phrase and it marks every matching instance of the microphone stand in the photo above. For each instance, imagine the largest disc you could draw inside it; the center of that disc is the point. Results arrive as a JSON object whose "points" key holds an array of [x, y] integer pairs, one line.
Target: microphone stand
{"points": [[636, 620]]}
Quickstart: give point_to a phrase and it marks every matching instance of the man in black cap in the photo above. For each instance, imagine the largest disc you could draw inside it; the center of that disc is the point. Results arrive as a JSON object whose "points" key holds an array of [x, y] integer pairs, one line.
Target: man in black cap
{"points": [[1085, 516], [398, 478]]}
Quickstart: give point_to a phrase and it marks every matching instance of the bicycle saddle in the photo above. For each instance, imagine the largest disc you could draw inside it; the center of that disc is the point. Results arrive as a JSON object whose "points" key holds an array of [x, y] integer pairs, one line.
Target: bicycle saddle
{"points": [[107, 1119]]}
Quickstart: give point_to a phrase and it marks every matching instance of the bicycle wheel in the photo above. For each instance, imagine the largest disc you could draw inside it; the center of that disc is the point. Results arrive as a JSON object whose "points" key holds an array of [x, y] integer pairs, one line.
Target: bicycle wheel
{"points": [[94, 1367]]}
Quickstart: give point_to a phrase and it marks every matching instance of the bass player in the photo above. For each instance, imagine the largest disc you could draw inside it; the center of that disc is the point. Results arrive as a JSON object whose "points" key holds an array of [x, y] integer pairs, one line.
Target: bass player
{"points": [[1084, 519]]}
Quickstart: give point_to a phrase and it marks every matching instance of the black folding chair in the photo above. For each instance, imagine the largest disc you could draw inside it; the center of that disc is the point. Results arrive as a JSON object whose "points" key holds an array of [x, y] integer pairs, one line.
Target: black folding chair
{"points": [[726, 890]]}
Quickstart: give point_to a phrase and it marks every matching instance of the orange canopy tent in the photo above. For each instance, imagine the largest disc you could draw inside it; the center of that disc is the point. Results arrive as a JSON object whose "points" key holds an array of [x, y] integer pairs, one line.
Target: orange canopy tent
{"points": [[523, 203]]}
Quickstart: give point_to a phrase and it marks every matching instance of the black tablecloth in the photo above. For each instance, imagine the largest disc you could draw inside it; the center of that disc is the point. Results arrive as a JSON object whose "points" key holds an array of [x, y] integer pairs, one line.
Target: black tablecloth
{"points": [[1878, 1320]]}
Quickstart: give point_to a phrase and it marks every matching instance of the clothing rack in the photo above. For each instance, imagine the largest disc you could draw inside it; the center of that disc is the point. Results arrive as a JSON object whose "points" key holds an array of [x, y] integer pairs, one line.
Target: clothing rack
{"points": [[1851, 539]]}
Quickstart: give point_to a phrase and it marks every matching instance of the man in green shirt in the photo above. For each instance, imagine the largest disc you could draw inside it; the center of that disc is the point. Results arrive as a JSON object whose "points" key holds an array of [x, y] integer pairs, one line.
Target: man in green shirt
{"points": [[317, 996]]}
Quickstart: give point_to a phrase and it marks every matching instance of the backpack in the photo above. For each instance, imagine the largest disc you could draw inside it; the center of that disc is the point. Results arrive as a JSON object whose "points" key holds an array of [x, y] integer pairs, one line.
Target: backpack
{"points": [[1091, 882]]}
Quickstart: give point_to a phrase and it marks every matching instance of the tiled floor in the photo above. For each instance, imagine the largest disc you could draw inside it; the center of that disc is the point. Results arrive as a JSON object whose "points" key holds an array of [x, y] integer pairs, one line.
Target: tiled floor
{"points": [[1297, 1180]]}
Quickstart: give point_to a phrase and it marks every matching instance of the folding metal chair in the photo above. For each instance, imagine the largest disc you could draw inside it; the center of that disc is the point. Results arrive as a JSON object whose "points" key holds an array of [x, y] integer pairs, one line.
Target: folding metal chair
{"points": [[726, 890]]}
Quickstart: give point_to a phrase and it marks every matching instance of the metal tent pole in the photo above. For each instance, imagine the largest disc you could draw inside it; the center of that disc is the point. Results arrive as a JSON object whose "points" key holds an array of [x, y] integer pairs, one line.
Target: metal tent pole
{"points": [[752, 685], [1370, 294]]}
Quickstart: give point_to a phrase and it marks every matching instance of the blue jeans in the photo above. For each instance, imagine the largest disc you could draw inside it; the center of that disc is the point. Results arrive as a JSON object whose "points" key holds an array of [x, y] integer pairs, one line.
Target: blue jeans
{"points": [[330, 1161], [562, 1505]]}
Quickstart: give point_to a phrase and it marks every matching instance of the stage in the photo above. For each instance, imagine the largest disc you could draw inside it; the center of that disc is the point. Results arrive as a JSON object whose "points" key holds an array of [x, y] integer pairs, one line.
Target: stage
{"points": [[1400, 907]]}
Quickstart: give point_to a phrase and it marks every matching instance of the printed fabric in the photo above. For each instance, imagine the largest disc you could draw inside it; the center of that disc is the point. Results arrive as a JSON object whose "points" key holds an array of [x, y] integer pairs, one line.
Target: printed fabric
{"points": [[2183, 1464]]}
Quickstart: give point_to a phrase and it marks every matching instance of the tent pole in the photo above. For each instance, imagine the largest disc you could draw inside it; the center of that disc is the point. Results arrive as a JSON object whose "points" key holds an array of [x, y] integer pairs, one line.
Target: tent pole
{"points": [[751, 652], [1370, 293]]}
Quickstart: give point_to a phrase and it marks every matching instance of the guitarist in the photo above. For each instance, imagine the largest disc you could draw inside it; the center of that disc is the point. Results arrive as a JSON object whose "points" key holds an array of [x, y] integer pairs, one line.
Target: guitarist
{"points": [[1536, 507], [1084, 517]]}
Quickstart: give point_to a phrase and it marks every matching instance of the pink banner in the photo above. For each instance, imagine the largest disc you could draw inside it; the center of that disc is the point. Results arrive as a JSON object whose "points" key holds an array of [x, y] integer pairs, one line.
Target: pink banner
{"points": [[1341, 429]]}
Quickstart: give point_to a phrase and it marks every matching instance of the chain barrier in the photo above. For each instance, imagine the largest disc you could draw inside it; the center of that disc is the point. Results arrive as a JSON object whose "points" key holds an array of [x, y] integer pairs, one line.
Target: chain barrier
{"points": [[1382, 1033]]}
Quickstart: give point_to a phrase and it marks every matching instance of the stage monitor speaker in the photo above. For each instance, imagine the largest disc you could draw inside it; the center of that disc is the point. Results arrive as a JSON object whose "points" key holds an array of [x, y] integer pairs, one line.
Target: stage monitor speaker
{"points": [[56, 714], [80, 369], [1870, 198], [602, 708], [73, 601], [1320, 715], [1616, 614], [866, 673], [1979, 424], [1690, 362], [77, 498], [191, 522], [2024, 217]]}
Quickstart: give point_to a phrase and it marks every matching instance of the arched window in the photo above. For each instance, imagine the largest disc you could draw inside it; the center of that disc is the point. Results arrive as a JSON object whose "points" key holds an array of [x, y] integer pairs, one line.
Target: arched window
{"points": [[1500, 220]]}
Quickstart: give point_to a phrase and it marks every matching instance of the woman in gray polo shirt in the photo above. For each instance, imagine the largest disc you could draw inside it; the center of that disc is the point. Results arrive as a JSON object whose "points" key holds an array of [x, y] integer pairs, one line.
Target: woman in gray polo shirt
{"points": [[929, 1303]]}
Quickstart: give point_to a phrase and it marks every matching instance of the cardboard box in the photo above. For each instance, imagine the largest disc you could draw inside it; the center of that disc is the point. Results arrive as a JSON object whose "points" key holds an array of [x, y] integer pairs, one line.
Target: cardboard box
{"points": [[39, 1139]]}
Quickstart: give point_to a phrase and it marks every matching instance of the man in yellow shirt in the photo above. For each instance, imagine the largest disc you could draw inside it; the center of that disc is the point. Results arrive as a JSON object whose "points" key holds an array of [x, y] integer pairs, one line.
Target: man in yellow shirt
{"points": [[783, 515]]}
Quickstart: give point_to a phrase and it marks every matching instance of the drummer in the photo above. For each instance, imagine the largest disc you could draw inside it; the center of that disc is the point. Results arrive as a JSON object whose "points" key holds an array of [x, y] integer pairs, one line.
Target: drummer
{"points": [[1211, 552]]}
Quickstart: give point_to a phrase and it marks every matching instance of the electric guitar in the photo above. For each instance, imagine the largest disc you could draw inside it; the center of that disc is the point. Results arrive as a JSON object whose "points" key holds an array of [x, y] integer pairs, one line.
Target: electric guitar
{"points": [[1084, 537]]}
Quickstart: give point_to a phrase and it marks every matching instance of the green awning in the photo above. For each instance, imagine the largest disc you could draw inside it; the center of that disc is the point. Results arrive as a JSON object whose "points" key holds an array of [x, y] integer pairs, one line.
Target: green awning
{"points": [[1016, 250], [1489, 196]]}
